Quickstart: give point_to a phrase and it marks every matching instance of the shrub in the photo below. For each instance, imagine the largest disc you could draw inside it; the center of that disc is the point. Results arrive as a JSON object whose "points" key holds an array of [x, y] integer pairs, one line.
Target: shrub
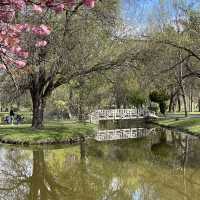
{"points": [[160, 97]]}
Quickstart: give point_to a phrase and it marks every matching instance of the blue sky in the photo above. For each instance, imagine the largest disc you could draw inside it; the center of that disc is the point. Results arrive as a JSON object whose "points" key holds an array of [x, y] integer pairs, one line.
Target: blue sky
{"points": [[138, 11]]}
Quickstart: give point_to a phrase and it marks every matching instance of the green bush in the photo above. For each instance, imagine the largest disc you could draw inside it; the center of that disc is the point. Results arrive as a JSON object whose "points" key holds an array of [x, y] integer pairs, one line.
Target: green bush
{"points": [[163, 107], [160, 97]]}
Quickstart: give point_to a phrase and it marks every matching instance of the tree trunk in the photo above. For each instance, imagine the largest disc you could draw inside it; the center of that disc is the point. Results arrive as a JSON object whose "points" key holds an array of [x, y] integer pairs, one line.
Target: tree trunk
{"points": [[199, 104], [179, 103], [174, 104], [163, 136], [81, 108], [39, 103], [39, 190], [184, 101], [191, 99], [18, 102], [71, 106], [40, 90], [80, 113], [181, 84], [83, 150], [171, 101]]}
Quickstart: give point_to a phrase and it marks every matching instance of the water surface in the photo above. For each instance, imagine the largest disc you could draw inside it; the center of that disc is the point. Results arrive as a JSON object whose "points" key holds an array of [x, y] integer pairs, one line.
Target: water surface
{"points": [[164, 165]]}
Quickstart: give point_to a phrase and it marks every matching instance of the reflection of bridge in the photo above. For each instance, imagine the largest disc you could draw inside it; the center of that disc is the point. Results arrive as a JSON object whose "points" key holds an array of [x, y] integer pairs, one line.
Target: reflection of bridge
{"points": [[116, 114], [119, 134]]}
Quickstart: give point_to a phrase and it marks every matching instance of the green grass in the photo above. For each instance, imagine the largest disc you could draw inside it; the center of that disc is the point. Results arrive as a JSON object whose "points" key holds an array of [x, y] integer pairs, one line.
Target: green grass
{"points": [[191, 125], [183, 113], [54, 132]]}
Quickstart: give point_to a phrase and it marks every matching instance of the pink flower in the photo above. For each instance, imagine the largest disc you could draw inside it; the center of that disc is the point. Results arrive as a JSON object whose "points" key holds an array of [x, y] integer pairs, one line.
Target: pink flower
{"points": [[16, 49], [7, 16], [23, 54], [23, 27], [15, 29], [89, 3], [41, 43], [20, 63], [42, 30], [48, 3], [2, 67], [3, 50], [37, 9], [1, 38], [3, 32], [59, 8], [19, 4]]}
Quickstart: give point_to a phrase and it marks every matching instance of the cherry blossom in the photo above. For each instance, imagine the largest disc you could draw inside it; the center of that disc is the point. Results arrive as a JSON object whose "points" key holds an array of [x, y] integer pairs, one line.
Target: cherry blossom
{"points": [[59, 8], [12, 47], [20, 63], [2, 67], [37, 9], [41, 43], [89, 3], [41, 30]]}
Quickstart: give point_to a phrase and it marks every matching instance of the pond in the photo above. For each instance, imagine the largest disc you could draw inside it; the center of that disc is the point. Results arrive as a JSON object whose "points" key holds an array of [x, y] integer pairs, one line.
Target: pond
{"points": [[158, 165]]}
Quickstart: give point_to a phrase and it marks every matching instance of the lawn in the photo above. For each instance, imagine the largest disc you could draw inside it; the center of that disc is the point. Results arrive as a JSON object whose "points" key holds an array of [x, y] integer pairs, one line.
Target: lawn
{"points": [[191, 125], [54, 132], [183, 113]]}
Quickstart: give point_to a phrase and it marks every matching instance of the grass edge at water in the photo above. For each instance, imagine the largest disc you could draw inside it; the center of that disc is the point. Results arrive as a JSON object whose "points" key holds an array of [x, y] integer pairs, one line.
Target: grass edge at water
{"points": [[190, 125], [53, 132]]}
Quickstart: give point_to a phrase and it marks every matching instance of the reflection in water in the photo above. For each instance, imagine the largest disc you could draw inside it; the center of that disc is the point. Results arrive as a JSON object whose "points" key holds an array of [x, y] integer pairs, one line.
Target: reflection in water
{"points": [[123, 124], [120, 134], [160, 166]]}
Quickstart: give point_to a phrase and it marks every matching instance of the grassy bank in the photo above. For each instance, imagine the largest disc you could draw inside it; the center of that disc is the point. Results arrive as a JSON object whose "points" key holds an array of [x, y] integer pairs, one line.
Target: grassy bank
{"points": [[54, 132], [191, 125], [183, 113]]}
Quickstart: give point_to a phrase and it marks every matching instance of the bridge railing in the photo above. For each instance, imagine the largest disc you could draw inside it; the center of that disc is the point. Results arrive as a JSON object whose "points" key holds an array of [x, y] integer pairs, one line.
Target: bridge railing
{"points": [[114, 114], [118, 134]]}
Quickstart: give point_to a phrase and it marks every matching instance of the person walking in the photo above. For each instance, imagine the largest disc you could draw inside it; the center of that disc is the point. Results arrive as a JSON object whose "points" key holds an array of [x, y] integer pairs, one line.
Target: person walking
{"points": [[12, 114]]}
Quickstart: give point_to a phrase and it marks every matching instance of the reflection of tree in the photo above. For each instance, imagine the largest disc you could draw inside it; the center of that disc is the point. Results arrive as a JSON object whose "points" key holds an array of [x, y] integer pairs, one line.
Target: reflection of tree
{"points": [[100, 171], [175, 150], [40, 178], [13, 175], [19, 185], [47, 180], [159, 175], [163, 150], [171, 148]]}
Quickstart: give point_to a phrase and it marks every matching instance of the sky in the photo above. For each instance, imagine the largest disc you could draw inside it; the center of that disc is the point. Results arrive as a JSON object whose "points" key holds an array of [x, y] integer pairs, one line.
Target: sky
{"points": [[136, 13]]}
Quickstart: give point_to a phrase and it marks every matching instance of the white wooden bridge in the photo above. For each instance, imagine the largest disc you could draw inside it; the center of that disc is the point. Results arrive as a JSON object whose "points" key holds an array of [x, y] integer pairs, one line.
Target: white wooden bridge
{"points": [[117, 114], [120, 134]]}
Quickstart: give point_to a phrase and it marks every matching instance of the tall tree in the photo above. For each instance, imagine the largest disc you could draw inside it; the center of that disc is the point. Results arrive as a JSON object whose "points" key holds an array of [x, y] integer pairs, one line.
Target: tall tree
{"points": [[82, 42]]}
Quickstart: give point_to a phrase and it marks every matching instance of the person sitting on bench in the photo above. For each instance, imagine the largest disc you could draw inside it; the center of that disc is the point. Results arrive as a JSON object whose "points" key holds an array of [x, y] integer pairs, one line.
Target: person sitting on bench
{"points": [[7, 120], [19, 119]]}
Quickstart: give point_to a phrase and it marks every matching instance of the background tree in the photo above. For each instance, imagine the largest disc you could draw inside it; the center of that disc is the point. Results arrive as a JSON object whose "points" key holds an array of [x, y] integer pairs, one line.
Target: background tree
{"points": [[160, 97]]}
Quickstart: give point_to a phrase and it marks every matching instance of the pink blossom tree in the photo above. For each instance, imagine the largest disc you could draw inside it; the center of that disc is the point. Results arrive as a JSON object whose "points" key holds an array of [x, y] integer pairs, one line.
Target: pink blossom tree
{"points": [[21, 37], [57, 42], [12, 51]]}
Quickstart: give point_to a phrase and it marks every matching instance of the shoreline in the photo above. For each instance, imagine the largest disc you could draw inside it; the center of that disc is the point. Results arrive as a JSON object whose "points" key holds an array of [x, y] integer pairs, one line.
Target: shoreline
{"points": [[177, 127], [54, 133], [74, 140], [69, 132]]}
